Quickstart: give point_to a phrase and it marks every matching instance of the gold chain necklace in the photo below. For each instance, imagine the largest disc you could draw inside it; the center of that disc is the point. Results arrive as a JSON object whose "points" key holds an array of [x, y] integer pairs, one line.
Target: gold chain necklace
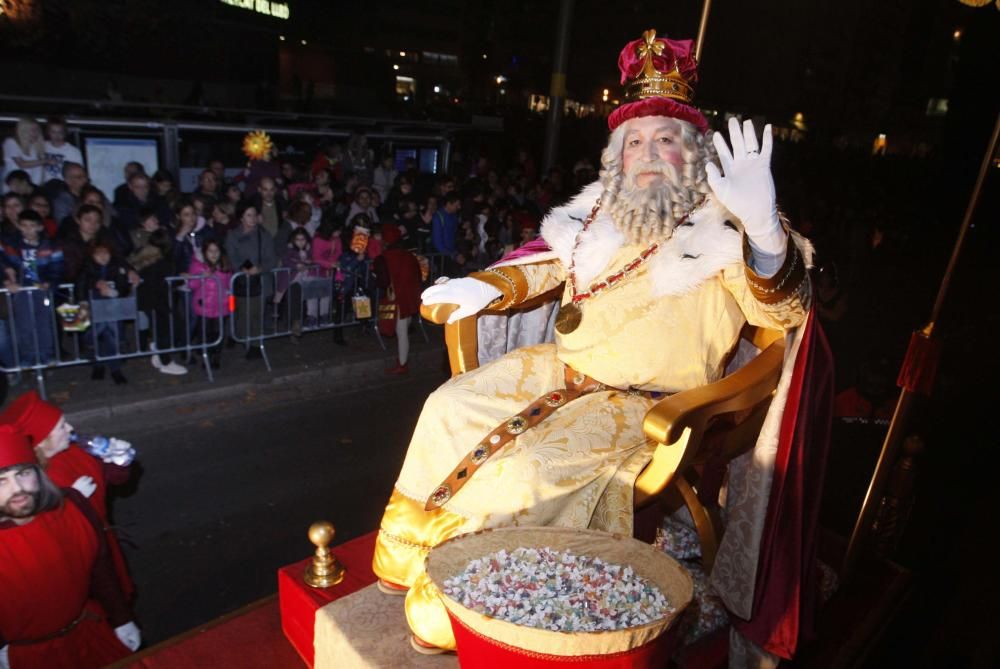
{"points": [[571, 314]]}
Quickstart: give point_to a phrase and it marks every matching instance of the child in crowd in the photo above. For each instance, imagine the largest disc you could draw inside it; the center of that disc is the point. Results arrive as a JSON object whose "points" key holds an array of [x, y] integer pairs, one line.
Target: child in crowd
{"points": [[104, 277], [326, 251], [40, 203], [34, 261], [298, 260], [210, 296], [143, 253]]}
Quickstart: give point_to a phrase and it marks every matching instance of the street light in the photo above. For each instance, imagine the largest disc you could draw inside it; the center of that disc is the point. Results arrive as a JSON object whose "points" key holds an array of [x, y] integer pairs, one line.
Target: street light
{"points": [[500, 79], [395, 67], [604, 95]]}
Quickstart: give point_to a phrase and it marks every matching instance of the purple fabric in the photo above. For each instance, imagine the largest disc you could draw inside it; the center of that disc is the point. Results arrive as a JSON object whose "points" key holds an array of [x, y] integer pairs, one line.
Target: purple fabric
{"points": [[531, 248]]}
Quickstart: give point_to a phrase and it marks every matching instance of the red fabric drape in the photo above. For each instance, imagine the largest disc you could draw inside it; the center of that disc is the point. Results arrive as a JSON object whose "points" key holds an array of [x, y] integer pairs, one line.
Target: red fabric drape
{"points": [[786, 592]]}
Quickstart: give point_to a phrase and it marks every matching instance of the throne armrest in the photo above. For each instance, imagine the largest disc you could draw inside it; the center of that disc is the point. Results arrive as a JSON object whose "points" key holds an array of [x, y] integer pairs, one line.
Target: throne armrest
{"points": [[677, 423], [462, 336]]}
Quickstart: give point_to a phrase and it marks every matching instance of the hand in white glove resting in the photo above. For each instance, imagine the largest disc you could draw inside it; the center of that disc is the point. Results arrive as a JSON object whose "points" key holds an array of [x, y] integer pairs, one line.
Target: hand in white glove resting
{"points": [[747, 189], [4, 659], [85, 486], [129, 635], [470, 295]]}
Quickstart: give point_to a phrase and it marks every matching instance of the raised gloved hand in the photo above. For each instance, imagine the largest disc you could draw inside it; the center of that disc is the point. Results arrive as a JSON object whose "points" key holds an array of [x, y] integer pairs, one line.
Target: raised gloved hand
{"points": [[85, 486], [129, 635], [470, 295], [747, 189], [4, 659]]}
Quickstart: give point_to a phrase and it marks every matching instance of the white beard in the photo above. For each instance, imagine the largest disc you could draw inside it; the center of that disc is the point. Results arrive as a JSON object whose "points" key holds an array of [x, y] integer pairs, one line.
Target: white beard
{"points": [[650, 213]]}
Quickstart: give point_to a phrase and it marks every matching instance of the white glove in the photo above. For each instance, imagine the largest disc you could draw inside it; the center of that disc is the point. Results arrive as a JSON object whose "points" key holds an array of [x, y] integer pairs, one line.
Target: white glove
{"points": [[85, 486], [4, 660], [747, 189], [129, 635], [470, 295]]}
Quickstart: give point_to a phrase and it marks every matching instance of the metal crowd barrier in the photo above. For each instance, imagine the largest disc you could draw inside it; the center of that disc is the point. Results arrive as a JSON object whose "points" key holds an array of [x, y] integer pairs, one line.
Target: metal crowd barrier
{"points": [[285, 302], [107, 329], [35, 337]]}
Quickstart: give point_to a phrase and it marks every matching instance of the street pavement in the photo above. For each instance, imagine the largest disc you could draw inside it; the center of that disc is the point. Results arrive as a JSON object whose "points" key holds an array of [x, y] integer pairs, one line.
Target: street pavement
{"points": [[223, 503], [231, 473]]}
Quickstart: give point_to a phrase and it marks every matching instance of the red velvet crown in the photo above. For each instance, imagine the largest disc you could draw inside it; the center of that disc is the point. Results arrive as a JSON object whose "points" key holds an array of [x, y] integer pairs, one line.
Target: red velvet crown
{"points": [[657, 74]]}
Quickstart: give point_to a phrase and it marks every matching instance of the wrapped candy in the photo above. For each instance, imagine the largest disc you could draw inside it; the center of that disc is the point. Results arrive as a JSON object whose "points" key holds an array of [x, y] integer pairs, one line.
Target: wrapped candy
{"points": [[359, 242], [558, 591], [112, 451]]}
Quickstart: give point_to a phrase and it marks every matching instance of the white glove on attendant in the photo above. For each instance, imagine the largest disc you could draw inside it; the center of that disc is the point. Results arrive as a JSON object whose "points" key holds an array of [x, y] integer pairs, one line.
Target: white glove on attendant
{"points": [[470, 295], [4, 659], [85, 486], [129, 635], [747, 190]]}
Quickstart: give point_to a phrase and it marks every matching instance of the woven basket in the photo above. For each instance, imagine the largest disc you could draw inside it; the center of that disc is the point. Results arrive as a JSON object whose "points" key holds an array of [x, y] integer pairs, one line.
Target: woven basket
{"points": [[488, 642]]}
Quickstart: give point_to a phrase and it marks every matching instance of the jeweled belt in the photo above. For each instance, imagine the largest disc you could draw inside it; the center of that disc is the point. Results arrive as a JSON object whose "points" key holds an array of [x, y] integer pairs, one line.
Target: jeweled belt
{"points": [[578, 384]]}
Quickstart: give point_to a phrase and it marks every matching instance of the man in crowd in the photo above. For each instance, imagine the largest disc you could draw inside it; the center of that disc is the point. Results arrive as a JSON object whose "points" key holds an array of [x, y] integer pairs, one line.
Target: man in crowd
{"points": [[136, 197], [269, 206], [444, 230], [208, 187], [218, 168], [384, 177], [131, 168], [62, 607], [58, 151], [667, 231], [74, 179]]}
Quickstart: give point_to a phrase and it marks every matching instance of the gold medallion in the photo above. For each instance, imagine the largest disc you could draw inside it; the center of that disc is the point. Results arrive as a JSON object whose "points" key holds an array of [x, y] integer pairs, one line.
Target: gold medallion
{"points": [[569, 317]]}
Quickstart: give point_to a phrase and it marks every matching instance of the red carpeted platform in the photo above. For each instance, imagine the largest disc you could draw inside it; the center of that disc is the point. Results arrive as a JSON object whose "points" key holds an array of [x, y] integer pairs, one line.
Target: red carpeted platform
{"points": [[258, 635]]}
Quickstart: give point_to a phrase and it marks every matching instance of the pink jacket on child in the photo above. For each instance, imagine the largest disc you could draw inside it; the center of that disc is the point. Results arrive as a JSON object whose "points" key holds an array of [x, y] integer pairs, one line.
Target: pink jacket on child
{"points": [[326, 253], [209, 297]]}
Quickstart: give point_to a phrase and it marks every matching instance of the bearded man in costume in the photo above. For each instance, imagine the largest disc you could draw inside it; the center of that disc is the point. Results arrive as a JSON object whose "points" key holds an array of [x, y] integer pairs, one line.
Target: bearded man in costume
{"points": [[665, 258]]}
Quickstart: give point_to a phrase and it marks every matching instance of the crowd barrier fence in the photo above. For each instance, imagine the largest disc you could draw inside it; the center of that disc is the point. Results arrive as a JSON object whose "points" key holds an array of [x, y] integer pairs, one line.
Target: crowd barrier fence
{"points": [[37, 337]]}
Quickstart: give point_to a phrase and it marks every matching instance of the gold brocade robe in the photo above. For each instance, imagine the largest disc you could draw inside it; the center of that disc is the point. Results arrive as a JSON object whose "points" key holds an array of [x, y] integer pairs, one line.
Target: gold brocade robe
{"points": [[577, 467]]}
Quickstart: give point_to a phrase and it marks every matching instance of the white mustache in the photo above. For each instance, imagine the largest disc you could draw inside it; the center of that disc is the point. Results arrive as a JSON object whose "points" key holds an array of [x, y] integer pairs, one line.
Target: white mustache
{"points": [[652, 167]]}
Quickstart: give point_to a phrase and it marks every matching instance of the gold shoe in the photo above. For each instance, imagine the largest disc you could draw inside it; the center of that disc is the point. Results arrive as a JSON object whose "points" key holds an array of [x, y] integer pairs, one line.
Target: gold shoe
{"points": [[387, 588], [425, 648]]}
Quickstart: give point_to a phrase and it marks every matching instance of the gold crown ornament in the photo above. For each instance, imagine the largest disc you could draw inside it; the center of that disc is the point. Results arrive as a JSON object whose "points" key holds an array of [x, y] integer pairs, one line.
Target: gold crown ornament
{"points": [[658, 75], [654, 79], [257, 145]]}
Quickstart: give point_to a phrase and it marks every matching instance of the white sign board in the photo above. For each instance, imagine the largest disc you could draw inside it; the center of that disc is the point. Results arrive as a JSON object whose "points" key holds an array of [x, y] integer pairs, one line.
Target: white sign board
{"points": [[106, 159]]}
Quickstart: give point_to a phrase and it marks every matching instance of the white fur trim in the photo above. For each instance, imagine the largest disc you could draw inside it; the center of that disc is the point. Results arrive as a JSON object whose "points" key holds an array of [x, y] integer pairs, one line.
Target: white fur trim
{"points": [[698, 250]]}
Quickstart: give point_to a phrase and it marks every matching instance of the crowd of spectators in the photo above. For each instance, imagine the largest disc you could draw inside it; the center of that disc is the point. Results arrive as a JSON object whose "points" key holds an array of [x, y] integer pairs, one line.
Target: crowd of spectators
{"points": [[311, 211]]}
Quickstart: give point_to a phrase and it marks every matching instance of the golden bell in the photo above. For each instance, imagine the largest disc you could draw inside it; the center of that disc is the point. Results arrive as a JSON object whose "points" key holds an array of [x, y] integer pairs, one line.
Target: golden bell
{"points": [[324, 571]]}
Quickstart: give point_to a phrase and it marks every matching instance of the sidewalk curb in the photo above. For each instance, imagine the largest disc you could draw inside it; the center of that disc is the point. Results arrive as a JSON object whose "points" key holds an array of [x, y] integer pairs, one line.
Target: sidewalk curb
{"points": [[343, 375]]}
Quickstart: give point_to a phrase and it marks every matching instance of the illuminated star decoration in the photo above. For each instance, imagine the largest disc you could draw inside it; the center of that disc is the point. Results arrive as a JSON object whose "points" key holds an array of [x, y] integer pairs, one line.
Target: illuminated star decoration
{"points": [[257, 145]]}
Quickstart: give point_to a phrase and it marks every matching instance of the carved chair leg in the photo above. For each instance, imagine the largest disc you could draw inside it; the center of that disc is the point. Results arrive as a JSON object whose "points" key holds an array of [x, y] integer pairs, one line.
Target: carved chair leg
{"points": [[702, 522]]}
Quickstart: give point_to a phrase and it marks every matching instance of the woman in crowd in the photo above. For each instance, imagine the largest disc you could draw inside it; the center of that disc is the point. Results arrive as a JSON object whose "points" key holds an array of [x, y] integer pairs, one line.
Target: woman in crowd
{"points": [[26, 150], [250, 249], [156, 301]]}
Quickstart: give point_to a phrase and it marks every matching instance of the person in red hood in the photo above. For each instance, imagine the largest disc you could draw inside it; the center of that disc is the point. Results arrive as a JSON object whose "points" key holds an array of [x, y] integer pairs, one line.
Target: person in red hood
{"points": [[61, 607], [398, 274], [68, 465]]}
